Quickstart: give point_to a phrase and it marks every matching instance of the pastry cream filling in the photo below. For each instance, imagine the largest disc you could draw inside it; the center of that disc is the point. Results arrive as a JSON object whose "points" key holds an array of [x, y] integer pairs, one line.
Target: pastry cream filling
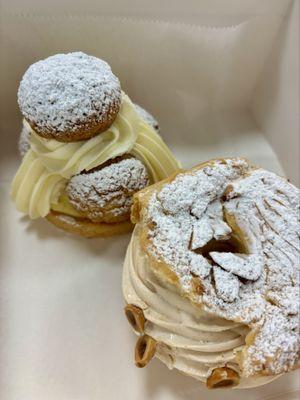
{"points": [[38, 185], [189, 339]]}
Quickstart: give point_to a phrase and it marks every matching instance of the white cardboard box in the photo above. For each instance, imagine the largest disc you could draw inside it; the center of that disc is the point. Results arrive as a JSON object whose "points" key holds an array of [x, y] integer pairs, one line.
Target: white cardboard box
{"points": [[222, 77]]}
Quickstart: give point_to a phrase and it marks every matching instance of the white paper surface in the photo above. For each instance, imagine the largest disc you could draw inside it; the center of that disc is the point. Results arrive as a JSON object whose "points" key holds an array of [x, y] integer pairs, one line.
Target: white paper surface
{"points": [[276, 102], [63, 332]]}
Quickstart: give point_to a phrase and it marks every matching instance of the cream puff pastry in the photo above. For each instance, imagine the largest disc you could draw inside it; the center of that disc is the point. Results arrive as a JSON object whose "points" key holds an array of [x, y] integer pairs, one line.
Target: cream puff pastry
{"points": [[86, 150]]}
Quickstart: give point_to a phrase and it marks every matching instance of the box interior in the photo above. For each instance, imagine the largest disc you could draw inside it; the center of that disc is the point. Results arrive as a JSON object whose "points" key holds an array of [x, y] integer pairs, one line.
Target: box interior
{"points": [[222, 78]]}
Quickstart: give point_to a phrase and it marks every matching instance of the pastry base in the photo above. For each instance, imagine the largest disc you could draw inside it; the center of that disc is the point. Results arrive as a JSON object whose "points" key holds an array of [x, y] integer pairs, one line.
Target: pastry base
{"points": [[87, 228]]}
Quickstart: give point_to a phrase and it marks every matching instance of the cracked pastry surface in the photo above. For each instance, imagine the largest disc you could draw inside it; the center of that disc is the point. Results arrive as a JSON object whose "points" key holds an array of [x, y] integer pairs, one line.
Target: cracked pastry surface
{"points": [[85, 149], [146, 116], [105, 194], [69, 97], [23, 144], [225, 235]]}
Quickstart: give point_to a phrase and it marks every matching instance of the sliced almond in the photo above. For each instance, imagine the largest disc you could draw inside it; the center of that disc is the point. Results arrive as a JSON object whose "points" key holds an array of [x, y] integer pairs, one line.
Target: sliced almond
{"points": [[222, 377], [135, 317], [197, 286], [227, 193], [144, 350]]}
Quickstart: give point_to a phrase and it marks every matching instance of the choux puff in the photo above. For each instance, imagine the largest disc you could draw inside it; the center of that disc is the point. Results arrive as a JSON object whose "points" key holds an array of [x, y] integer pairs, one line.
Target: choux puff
{"points": [[24, 144], [211, 276], [86, 147]]}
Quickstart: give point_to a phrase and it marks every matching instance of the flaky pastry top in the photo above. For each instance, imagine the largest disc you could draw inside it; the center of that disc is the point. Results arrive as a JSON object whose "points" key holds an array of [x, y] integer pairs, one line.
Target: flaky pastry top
{"points": [[226, 234]]}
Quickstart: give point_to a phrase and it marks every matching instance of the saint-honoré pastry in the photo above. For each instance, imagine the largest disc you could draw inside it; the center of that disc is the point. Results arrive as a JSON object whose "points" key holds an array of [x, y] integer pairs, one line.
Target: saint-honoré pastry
{"points": [[147, 117], [211, 276], [24, 144], [86, 148]]}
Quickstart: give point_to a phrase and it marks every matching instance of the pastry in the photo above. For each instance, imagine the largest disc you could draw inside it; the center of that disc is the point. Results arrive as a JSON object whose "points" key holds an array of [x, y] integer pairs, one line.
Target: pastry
{"points": [[147, 117], [75, 97], [86, 150], [24, 144], [105, 193], [211, 276]]}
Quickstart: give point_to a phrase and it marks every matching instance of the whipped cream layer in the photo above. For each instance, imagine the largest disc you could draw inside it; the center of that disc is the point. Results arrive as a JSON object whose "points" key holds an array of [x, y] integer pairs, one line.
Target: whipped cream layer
{"points": [[189, 339], [152, 151], [39, 183]]}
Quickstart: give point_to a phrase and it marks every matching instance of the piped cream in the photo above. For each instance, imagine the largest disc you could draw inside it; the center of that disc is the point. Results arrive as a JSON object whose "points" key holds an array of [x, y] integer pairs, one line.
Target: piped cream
{"points": [[39, 183], [189, 339]]}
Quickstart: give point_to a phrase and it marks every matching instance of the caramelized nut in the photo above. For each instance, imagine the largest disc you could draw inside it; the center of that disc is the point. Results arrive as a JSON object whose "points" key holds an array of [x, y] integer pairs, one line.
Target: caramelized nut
{"points": [[222, 377], [197, 286], [135, 210], [144, 350], [135, 317]]}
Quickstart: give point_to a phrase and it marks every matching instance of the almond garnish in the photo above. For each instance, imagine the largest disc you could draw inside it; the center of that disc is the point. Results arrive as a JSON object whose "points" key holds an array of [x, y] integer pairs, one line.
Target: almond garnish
{"points": [[226, 194], [222, 377], [144, 350], [135, 317], [197, 286], [224, 236]]}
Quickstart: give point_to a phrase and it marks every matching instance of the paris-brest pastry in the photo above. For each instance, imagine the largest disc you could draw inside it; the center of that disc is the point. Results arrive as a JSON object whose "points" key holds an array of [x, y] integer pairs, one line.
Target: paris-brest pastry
{"points": [[211, 276]]}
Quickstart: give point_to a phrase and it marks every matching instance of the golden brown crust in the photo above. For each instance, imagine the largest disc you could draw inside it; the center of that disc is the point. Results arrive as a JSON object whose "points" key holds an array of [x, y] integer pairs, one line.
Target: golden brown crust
{"points": [[104, 194], [238, 195], [140, 205], [69, 97], [81, 132], [86, 228], [140, 199]]}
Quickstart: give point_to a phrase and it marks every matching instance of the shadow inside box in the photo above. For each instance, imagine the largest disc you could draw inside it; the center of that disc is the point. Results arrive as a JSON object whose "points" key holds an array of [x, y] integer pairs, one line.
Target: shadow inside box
{"points": [[213, 128], [159, 379], [161, 383], [44, 230], [41, 228]]}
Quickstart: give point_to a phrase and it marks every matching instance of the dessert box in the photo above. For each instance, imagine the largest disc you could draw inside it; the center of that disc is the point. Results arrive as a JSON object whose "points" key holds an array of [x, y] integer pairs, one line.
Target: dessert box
{"points": [[222, 78]]}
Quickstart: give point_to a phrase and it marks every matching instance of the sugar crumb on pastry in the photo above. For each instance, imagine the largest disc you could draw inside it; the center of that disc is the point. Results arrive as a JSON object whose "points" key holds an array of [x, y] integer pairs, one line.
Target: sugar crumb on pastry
{"points": [[235, 228]]}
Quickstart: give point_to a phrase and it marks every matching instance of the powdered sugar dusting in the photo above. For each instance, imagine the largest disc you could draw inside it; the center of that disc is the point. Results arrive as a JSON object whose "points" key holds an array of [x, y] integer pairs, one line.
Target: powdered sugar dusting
{"points": [[257, 288], [245, 266], [66, 92], [274, 202], [200, 267], [209, 226], [24, 144], [146, 116], [227, 284], [107, 191]]}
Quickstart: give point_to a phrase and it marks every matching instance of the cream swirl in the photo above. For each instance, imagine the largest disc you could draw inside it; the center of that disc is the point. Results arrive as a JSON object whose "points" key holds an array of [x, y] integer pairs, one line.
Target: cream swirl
{"points": [[47, 166], [189, 339], [154, 153]]}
